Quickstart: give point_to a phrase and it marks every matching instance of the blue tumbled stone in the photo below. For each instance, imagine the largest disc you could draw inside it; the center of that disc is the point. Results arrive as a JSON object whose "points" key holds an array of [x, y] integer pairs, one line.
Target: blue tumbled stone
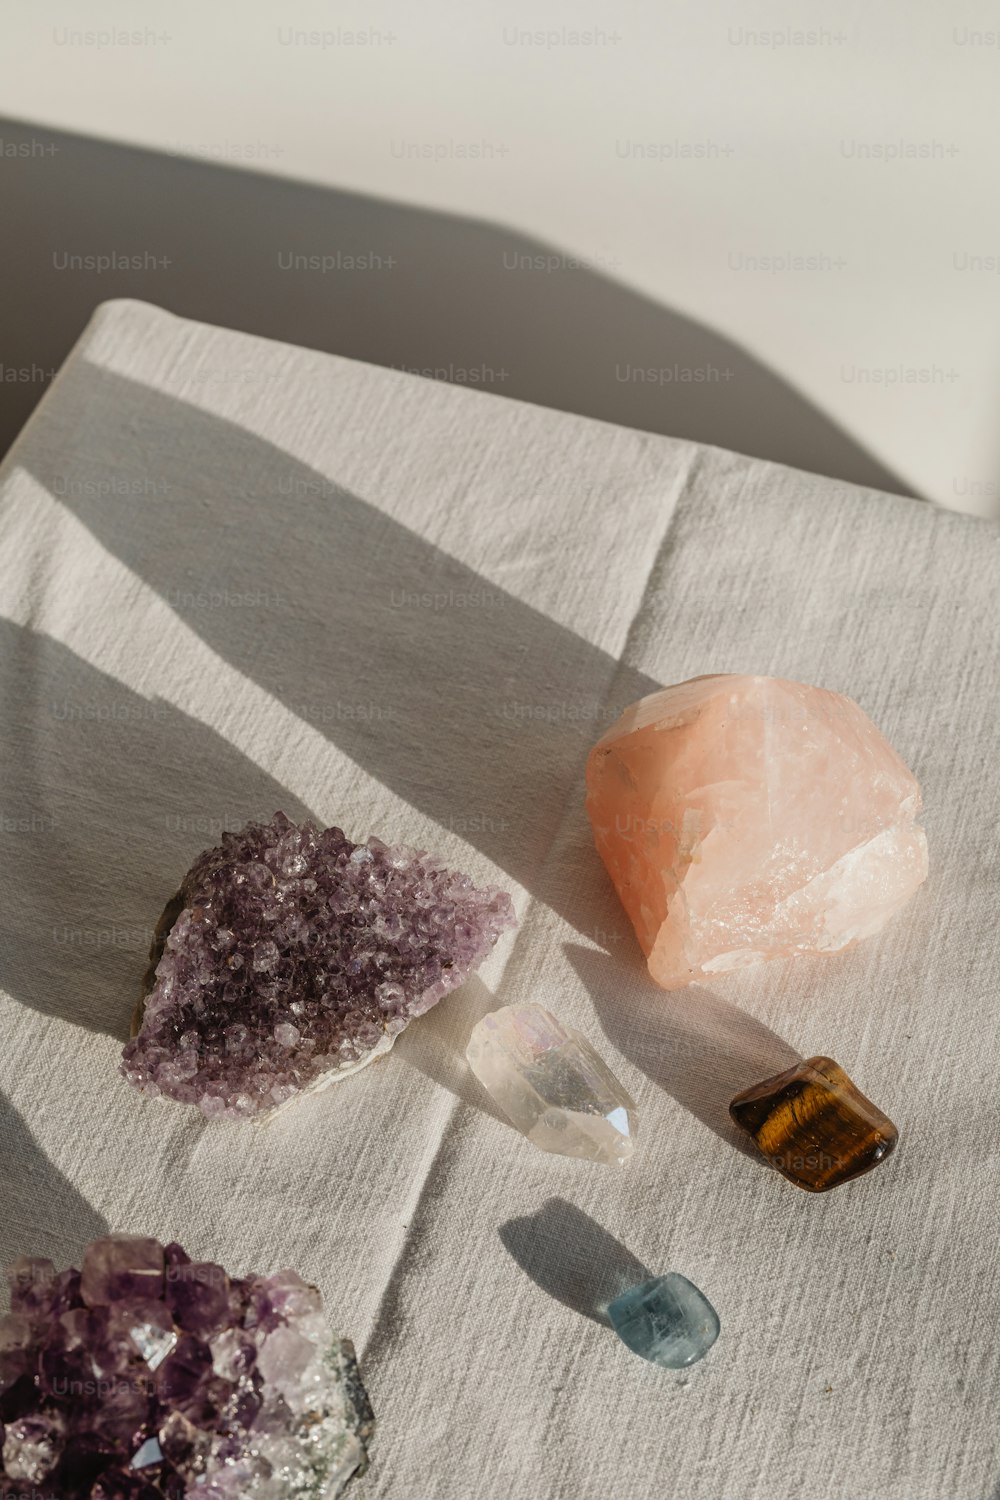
{"points": [[666, 1320]]}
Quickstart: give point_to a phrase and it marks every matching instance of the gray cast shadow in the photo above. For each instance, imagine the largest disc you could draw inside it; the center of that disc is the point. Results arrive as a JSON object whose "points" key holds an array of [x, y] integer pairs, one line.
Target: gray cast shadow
{"points": [[436, 1045], [698, 1047], [44, 1215], [572, 1258], [337, 578], [459, 298], [108, 798]]}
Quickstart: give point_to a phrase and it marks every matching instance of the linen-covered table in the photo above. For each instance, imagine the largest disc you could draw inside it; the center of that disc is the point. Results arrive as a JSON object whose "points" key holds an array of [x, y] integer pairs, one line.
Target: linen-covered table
{"points": [[239, 577]]}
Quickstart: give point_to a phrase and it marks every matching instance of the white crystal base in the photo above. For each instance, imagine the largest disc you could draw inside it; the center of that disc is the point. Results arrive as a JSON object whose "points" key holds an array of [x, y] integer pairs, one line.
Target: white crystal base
{"points": [[318, 1085]]}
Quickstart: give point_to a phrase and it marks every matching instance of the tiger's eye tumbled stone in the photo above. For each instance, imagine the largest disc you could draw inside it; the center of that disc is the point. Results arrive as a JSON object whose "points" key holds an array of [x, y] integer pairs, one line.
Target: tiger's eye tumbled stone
{"points": [[815, 1125], [667, 1321]]}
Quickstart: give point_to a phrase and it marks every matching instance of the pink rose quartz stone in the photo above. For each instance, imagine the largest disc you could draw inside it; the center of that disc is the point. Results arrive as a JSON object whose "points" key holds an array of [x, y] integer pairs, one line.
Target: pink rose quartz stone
{"points": [[747, 818]]}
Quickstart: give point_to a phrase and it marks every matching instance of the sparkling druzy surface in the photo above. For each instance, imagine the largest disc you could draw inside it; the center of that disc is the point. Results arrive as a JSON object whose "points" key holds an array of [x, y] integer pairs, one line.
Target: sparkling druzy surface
{"points": [[292, 956], [667, 1321], [147, 1375], [747, 818], [815, 1125], [552, 1085]]}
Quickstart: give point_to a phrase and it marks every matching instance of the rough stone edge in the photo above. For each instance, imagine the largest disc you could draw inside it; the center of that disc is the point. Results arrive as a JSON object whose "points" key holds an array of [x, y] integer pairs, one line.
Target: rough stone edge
{"points": [[359, 1402]]}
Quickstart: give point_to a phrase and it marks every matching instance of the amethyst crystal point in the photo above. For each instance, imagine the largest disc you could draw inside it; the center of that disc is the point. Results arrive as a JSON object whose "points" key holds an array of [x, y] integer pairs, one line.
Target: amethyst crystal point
{"points": [[291, 957], [151, 1377]]}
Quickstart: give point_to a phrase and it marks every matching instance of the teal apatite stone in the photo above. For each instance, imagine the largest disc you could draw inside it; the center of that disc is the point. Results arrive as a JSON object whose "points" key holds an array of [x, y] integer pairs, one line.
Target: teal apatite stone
{"points": [[666, 1320]]}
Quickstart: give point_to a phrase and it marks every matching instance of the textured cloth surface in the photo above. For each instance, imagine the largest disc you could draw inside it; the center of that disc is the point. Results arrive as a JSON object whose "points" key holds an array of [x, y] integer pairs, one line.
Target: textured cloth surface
{"points": [[241, 577]]}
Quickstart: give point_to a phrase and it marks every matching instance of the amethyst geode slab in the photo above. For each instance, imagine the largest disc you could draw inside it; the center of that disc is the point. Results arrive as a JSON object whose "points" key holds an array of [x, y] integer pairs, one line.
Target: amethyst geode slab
{"points": [[147, 1375], [291, 957]]}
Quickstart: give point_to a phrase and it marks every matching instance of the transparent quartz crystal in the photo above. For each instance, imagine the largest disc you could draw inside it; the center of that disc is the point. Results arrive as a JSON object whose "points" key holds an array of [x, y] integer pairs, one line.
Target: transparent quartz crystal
{"points": [[552, 1085]]}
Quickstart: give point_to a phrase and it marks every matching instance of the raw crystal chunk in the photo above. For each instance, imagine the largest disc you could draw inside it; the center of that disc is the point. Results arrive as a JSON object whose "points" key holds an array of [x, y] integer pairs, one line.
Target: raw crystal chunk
{"points": [[746, 818], [123, 1268], [667, 1321], [815, 1125], [552, 1085], [115, 1384], [291, 957]]}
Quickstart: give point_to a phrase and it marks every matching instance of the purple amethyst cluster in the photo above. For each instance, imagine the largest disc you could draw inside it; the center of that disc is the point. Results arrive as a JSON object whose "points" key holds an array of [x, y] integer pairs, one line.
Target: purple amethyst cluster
{"points": [[147, 1375], [292, 955]]}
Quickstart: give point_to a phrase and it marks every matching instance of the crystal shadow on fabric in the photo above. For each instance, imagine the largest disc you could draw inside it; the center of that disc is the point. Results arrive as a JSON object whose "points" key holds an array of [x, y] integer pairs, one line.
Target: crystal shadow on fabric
{"points": [[572, 1258], [119, 792], [145, 1368], [352, 608], [693, 1043], [33, 1191]]}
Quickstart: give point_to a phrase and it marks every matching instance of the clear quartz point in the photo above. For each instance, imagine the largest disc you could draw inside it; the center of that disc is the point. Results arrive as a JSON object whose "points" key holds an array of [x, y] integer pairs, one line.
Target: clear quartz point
{"points": [[552, 1085]]}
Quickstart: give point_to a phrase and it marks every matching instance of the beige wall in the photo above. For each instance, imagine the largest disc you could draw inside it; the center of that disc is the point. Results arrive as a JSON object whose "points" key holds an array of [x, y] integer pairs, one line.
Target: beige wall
{"points": [[674, 146]]}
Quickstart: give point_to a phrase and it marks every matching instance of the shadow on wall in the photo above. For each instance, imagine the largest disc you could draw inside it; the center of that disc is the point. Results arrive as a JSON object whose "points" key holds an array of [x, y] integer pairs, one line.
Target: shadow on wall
{"points": [[459, 299]]}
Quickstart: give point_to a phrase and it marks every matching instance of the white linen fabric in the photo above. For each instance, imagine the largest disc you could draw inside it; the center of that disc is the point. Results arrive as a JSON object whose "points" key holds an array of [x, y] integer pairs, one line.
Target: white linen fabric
{"points": [[239, 577]]}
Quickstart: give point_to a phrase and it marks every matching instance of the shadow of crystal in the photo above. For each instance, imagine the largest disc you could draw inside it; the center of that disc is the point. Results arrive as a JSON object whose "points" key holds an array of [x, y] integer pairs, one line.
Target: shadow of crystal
{"points": [[348, 605], [698, 1047], [569, 1255], [44, 1214], [108, 797], [435, 1045]]}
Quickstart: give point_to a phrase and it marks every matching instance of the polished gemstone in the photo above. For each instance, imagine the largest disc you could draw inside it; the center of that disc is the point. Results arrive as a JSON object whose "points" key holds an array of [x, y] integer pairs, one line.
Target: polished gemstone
{"points": [[667, 1321], [748, 818], [292, 957], [552, 1085], [122, 1383], [815, 1125]]}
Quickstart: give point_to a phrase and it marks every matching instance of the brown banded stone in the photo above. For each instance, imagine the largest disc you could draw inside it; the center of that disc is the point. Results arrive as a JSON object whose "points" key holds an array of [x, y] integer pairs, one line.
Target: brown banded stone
{"points": [[815, 1125]]}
